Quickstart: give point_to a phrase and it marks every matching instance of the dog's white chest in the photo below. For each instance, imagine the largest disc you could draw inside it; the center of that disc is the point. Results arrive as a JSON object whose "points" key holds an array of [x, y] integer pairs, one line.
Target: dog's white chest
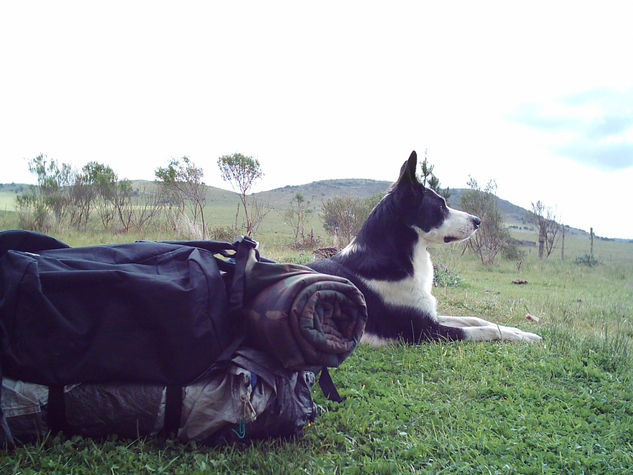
{"points": [[413, 291]]}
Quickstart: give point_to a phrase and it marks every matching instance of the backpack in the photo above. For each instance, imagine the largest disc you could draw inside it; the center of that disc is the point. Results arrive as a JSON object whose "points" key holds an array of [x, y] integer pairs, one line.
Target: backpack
{"points": [[163, 315]]}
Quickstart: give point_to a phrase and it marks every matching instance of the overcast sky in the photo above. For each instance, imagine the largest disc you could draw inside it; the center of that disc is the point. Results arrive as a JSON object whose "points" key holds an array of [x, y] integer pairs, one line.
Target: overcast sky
{"points": [[538, 96]]}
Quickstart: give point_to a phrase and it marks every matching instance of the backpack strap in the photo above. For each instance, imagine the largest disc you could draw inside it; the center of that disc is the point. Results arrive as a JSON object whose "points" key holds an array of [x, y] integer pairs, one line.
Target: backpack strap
{"points": [[215, 247], [241, 248], [244, 245], [56, 408], [173, 409], [238, 253], [4, 426], [328, 387]]}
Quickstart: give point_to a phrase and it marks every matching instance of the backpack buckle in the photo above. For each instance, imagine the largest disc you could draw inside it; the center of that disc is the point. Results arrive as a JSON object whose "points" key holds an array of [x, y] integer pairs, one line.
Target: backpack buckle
{"points": [[246, 240]]}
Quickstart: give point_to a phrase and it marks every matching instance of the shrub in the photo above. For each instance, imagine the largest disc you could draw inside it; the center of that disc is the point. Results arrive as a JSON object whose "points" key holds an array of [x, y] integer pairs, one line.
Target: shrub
{"points": [[444, 277], [223, 233], [344, 216], [512, 251], [492, 237], [586, 260], [33, 214]]}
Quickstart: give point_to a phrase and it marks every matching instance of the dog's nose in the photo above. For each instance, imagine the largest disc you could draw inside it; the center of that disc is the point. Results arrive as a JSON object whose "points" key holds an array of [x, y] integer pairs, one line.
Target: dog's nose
{"points": [[476, 221]]}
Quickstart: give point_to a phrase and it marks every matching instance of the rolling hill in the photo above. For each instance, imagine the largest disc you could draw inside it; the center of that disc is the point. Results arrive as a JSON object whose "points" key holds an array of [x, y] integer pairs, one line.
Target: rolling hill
{"points": [[314, 193], [319, 191]]}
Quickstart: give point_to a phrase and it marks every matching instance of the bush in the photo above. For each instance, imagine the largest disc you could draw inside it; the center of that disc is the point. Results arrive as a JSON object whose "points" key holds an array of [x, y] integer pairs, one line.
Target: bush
{"points": [[344, 216], [492, 237], [512, 251], [586, 260], [308, 241], [443, 277], [223, 233], [33, 214]]}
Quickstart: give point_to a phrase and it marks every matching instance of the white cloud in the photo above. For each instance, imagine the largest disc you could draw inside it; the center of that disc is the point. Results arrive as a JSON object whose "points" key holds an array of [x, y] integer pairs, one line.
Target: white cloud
{"points": [[593, 127]]}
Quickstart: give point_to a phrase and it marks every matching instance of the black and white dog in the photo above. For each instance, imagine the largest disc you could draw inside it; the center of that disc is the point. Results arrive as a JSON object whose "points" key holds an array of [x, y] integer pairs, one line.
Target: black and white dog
{"points": [[389, 263]]}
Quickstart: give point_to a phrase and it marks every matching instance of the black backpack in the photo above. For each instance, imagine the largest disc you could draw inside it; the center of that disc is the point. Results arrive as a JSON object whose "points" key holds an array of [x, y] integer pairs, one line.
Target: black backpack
{"points": [[161, 313]]}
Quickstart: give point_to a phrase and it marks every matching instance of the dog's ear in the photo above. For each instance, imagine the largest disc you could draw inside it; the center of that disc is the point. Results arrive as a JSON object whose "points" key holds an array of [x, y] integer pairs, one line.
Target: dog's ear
{"points": [[407, 172]]}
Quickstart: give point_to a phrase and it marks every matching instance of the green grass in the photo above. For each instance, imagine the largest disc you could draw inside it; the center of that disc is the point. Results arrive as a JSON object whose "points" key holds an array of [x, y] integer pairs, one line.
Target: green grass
{"points": [[564, 405], [7, 201]]}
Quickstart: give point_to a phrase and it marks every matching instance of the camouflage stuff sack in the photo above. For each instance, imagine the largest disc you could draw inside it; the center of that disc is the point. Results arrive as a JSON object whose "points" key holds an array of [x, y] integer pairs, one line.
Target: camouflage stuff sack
{"points": [[306, 320]]}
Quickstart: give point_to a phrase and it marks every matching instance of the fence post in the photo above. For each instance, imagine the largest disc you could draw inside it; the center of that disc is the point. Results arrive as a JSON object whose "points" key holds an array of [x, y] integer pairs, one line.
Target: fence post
{"points": [[562, 247]]}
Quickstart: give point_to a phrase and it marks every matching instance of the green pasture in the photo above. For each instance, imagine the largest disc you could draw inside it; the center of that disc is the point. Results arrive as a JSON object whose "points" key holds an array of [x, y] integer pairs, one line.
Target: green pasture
{"points": [[564, 405], [7, 201]]}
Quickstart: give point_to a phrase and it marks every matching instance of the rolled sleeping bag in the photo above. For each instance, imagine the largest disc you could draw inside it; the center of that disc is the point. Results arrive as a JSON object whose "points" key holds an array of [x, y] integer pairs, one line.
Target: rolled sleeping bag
{"points": [[306, 320]]}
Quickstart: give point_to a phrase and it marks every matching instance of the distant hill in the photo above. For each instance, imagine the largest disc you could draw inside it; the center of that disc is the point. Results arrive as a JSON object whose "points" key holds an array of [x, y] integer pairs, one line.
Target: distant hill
{"points": [[316, 193], [510, 212], [214, 195], [320, 191]]}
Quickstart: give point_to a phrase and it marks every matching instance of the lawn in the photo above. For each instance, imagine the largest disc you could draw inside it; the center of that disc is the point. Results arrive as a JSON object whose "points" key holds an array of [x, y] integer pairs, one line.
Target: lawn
{"points": [[560, 406]]}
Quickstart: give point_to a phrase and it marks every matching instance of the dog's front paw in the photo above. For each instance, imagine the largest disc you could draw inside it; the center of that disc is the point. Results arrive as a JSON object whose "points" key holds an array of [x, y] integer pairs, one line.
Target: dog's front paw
{"points": [[527, 336], [514, 334], [493, 332]]}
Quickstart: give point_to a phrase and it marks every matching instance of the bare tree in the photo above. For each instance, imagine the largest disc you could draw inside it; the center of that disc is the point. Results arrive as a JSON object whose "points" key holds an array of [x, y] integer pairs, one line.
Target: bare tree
{"points": [[81, 199], [242, 172], [296, 215], [134, 208], [544, 217], [492, 237], [259, 210]]}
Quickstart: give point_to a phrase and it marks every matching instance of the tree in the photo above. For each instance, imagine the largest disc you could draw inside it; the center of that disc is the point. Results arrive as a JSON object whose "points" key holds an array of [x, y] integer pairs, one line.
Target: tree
{"points": [[134, 208], [53, 182], [548, 228], [104, 186], [492, 237], [430, 180], [296, 215], [92, 187], [182, 183], [242, 172], [46, 204]]}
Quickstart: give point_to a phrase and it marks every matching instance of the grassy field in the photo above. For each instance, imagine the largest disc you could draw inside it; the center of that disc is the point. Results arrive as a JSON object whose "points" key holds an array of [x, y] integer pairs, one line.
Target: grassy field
{"points": [[564, 405], [7, 201]]}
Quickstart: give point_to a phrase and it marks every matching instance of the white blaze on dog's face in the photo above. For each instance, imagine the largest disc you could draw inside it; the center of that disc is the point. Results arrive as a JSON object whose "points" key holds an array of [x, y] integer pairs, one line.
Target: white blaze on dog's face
{"points": [[456, 226], [426, 212]]}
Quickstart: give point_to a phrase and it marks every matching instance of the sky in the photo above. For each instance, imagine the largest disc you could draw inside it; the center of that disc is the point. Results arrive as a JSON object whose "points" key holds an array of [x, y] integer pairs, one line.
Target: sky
{"points": [[535, 95]]}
